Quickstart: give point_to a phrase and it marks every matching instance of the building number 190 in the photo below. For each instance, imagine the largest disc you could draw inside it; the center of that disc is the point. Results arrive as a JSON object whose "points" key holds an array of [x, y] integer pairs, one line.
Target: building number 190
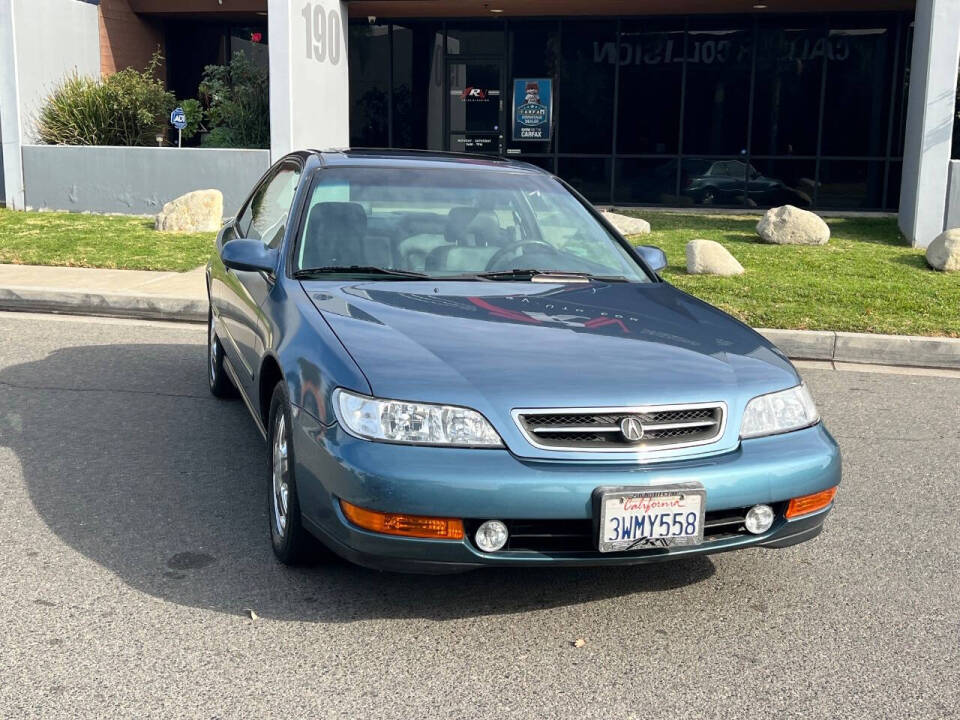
{"points": [[322, 33]]}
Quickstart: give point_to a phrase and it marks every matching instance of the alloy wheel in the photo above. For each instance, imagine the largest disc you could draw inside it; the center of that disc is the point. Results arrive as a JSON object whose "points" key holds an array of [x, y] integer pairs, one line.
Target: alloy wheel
{"points": [[281, 476], [214, 345]]}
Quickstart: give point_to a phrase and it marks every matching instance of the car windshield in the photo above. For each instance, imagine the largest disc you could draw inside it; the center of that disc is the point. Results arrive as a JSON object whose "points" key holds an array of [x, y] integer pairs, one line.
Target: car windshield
{"points": [[454, 222]]}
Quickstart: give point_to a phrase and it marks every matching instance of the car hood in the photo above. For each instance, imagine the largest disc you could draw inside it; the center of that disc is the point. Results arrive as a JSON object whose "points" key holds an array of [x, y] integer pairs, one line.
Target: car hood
{"points": [[498, 346]]}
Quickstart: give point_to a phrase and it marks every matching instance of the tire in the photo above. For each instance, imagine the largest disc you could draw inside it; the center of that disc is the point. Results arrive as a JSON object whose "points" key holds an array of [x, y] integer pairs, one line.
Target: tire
{"points": [[292, 544], [218, 380]]}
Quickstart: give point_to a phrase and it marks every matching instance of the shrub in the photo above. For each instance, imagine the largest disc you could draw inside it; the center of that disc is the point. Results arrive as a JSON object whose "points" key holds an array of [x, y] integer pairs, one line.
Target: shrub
{"points": [[129, 107], [238, 99], [194, 112]]}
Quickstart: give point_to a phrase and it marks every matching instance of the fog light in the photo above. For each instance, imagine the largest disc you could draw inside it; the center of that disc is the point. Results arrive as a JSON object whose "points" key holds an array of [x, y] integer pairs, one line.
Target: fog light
{"points": [[491, 536], [759, 519]]}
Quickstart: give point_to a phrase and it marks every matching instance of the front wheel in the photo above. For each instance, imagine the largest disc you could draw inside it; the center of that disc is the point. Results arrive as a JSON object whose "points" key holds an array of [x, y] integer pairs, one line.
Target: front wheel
{"points": [[292, 544]]}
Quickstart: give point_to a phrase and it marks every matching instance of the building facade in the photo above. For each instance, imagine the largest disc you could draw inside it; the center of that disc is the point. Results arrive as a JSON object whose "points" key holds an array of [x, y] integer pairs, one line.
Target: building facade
{"points": [[826, 105]]}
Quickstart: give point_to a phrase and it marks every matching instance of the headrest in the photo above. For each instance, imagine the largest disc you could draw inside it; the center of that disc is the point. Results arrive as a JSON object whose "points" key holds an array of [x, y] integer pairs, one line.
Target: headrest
{"points": [[339, 216], [455, 230]]}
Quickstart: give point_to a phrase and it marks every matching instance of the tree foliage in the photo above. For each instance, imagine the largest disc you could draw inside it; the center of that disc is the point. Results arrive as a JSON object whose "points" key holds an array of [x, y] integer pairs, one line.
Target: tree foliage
{"points": [[238, 104]]}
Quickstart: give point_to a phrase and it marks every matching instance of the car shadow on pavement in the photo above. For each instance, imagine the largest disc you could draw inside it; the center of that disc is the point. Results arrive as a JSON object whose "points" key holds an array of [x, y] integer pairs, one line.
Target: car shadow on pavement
{"points": [[130, 462]]}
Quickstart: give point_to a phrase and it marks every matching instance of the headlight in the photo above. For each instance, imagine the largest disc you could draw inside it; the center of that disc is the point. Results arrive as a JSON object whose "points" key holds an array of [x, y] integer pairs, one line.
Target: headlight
{"points": [[414, 423], [779, 412]]}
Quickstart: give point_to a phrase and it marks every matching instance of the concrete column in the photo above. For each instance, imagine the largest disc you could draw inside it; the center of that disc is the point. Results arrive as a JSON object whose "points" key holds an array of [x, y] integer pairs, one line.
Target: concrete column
{"points": [[10, 110], [309, 81], [930, 111]]}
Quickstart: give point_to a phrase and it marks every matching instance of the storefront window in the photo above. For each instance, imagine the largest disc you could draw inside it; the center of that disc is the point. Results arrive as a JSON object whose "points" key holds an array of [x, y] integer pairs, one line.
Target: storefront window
{"points": [[369, 85], [590, 176], [534, 53], [851, 184], [748, 111], [782, 181], [418, 86], [786, 106], [585, 92], [857, 92], [895, 175], [475, 39], [651, 81], [719, 56], [646, 180]]}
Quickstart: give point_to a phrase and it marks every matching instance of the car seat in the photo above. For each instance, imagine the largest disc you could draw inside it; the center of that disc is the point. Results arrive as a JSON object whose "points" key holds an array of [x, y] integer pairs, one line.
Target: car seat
{"points": [[334, 235]]}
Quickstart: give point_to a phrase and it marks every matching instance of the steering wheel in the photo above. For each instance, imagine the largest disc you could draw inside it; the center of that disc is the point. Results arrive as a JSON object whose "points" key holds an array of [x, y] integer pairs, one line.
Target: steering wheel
{"points": [[502, 253]]}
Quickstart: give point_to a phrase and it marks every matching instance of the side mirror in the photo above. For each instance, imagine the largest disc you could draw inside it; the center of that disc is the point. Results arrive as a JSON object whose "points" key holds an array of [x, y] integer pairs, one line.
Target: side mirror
{"points": [[654, 257], [249, 255]]}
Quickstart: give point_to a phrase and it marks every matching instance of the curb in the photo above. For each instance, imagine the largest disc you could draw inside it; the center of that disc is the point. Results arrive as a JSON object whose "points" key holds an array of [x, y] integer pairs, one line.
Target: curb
{"points": [[868, 348], [142, 307]]}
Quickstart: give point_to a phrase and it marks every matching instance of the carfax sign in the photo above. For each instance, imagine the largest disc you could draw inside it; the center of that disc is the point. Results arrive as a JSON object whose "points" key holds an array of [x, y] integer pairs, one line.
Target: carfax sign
{"points": [[532, 108]]}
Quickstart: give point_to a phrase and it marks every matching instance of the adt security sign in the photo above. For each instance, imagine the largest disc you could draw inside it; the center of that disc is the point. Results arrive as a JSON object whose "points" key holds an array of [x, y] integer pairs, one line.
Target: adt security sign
{"points": [[178, 118]]}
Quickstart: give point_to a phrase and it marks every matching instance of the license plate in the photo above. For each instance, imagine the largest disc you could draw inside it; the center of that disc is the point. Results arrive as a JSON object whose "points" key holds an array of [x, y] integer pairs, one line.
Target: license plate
{"points": [[651, 517]]}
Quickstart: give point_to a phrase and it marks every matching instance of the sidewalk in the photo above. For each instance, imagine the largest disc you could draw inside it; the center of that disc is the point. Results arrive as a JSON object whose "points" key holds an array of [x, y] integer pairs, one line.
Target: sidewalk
{"points": [[183, 296], [117, 293]]}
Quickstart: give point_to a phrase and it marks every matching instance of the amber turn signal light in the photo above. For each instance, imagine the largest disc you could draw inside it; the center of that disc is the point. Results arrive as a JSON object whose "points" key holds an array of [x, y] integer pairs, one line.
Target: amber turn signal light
{"points": [[406, 525], [806, 504]]}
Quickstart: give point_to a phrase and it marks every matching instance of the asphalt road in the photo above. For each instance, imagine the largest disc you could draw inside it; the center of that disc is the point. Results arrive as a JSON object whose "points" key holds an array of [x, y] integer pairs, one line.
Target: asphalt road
{"points": [[133, 543]]}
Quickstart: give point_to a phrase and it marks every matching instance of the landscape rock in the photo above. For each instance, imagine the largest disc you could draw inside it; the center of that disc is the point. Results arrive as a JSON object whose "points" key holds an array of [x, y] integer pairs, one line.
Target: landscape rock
{"points": [[788, 225], [197, 211], [706, 257], [944, 252], [627, 225]]}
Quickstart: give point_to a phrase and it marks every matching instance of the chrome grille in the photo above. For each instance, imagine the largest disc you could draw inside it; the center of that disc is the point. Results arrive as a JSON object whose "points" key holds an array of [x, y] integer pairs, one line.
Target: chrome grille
{"points": [[599, 429]]}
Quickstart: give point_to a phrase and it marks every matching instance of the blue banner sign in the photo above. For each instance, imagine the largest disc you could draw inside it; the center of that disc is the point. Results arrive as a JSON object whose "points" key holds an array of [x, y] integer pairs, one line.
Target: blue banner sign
{"points": [[532, 109]]}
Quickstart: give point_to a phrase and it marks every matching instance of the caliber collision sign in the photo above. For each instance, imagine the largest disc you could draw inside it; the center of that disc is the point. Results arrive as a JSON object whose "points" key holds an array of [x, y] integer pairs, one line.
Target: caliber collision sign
{"points": [[532, 109]]}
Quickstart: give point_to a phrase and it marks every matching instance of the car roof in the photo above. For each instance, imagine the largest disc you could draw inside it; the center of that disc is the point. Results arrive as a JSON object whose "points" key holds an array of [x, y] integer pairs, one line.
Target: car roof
{"points": [[376, 157]]}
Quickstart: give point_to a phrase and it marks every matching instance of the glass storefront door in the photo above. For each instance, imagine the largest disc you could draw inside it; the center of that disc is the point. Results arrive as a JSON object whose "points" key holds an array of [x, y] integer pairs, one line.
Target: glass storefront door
{"points": [[475, 106]]}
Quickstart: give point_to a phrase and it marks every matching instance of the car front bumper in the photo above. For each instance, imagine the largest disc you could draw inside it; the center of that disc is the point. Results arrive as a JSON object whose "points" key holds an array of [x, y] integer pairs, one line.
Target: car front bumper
{"points": [[494, 484]]}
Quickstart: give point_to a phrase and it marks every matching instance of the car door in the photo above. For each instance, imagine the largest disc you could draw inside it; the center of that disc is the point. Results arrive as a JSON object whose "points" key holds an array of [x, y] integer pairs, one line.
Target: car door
{"points": [[241, 294]]}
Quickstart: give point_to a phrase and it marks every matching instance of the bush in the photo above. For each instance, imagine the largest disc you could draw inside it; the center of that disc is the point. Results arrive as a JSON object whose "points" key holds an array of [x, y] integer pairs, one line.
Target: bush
{"points": [[127, 108], [194, 112], [238, 99]]}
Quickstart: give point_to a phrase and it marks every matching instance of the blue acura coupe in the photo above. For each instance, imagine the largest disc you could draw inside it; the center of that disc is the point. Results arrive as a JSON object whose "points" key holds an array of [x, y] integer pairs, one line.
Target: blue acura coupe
{"points": [[457, 362]]}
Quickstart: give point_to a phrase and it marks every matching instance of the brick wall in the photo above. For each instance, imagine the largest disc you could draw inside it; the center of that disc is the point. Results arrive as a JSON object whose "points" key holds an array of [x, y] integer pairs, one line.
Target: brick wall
{"points": [[126, 39]]}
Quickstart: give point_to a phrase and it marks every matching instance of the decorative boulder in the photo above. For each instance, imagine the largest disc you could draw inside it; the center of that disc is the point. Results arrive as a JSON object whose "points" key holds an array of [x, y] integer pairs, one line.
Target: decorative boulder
{"points": [[627, 225], [944, 252], [706, 257], [197, 211], [789, 225]]}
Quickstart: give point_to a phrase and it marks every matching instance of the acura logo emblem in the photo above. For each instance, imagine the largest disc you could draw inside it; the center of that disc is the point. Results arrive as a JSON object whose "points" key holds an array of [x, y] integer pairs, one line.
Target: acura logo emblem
{"points": [[632, 429]]}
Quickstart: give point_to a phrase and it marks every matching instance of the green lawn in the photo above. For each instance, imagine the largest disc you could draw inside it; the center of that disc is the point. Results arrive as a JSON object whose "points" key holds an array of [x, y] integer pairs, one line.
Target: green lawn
{"points": [[106, 241], [866, 279]]}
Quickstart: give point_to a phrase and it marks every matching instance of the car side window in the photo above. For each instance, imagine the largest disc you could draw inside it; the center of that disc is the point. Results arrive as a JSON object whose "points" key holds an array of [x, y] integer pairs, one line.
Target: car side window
{"points": [[265, 216]]}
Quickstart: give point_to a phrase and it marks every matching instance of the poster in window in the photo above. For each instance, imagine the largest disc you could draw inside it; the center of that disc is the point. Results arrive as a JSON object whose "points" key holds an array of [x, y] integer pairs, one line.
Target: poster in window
{"points": [[532, 109]]}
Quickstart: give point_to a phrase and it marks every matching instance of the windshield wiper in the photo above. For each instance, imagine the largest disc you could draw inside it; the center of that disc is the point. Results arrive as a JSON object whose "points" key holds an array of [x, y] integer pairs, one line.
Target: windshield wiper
{"points": [[307, 273], [548, 276]]}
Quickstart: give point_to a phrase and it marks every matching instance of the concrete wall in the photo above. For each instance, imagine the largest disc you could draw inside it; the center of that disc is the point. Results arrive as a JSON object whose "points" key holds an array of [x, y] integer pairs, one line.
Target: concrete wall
{"points": [[71, 28], [126, 39], [135, 180], [41, 41], [953, 196], [931, 106]]}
